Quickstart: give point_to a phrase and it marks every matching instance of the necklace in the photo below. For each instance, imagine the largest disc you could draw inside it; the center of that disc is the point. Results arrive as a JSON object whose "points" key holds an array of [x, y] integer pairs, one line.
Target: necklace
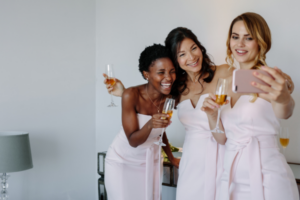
{"points": [[152, 101]]}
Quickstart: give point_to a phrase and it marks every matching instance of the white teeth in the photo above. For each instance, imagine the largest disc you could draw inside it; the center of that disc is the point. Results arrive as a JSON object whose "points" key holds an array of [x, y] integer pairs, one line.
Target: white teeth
{"points": [[239, 51], [193, 63], [166, 85]]}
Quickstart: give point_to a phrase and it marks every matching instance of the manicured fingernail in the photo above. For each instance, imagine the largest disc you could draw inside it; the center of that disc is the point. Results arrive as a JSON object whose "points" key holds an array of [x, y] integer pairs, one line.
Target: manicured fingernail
{"points": [[254, 83], [263, 67], [212, 107]]}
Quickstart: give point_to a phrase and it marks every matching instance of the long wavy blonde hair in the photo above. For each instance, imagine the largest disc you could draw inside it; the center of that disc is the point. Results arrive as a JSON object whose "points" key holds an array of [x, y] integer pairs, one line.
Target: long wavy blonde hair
{"points": [[259, 30]]}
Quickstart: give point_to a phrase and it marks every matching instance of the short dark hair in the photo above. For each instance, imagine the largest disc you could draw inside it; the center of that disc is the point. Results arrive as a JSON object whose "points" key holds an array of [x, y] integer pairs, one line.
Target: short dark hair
{"points": [[173, 42], [152, 53]]}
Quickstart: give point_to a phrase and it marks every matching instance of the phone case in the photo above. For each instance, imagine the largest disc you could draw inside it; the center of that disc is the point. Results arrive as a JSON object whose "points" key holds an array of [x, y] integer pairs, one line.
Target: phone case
{"points": [[242, 79]]}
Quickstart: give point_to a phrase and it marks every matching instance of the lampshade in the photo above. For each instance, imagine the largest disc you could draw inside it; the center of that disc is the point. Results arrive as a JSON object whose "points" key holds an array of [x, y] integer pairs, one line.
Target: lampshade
{"points": [[15, 153]]}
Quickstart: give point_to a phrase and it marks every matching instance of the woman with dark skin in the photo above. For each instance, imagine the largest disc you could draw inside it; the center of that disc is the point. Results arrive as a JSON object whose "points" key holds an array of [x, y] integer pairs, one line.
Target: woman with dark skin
{"points": [[131, 164]]}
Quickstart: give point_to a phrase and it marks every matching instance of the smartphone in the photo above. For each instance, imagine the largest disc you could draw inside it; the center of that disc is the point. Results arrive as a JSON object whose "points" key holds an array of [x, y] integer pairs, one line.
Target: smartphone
{"points": [[242, 79]]}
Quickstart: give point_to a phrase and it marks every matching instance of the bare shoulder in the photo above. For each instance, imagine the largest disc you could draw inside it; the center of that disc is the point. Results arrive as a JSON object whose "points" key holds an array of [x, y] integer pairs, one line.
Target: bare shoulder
{"points": [[223, 71], [131, 93], [223, 67]]}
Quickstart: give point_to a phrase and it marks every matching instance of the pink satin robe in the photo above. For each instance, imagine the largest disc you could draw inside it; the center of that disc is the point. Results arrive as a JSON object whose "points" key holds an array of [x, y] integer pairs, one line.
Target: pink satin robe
{"points": [[133, 173], [200, 167], [254, 169]]}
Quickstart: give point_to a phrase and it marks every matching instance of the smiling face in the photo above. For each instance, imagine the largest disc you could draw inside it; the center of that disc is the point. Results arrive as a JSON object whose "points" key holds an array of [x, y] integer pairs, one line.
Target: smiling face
{"points": [[189, 56], [243, 47], [161, 75]]}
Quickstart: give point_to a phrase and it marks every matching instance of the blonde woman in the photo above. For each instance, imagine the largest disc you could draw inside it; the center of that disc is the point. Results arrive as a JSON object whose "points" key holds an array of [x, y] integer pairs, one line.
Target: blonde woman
{"points": [[254, 169]]}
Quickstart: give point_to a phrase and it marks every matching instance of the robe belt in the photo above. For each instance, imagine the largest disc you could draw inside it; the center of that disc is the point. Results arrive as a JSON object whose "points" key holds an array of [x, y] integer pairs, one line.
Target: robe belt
{"points": [[150, 164], [251, 146]]}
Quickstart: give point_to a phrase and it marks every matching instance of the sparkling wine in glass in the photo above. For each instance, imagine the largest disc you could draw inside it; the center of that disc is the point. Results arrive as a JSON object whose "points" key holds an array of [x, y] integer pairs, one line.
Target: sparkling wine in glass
{"points": [[284, 137], [109, 70], [221, 96], [168, 109]]}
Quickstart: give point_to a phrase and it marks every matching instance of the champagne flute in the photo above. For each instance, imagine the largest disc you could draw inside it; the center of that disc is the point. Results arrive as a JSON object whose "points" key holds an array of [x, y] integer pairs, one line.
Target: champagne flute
{"points": [[284, 137], [168, 109], [221, 96], [109, 70]]}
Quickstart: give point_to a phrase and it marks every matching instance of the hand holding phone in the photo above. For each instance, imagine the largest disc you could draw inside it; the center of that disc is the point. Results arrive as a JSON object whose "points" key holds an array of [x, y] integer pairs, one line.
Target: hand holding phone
{"points": [[242, 79]]}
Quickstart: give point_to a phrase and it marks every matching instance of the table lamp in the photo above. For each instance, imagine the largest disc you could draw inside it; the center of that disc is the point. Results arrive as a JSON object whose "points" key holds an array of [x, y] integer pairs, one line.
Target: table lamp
{"points": [[15, 155]]}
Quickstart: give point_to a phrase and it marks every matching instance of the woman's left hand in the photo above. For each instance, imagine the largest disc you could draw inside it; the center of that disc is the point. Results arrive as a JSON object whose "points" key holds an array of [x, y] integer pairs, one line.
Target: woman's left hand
{"points": [[175, 162], [278, 91]]}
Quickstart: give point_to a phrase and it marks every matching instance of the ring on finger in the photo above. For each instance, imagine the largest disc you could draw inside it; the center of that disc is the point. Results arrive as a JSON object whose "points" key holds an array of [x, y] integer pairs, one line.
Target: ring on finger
{"points": [[289, 85]]}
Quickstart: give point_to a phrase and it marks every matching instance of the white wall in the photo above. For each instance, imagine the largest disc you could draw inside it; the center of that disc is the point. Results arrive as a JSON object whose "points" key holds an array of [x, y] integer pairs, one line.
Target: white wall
{"points": [[125, 28], [47, 87], [47, 76]]}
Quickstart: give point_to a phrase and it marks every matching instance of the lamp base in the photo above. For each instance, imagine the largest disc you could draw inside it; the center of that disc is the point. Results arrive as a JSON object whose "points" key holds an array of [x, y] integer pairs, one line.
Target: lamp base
{"points": [[4, 186]]}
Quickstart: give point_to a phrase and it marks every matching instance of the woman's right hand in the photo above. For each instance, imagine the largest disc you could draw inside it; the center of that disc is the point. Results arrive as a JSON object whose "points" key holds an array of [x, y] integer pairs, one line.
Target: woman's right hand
{"points": [[175, 162], [117, 89], [159, 121], [210, 107]]}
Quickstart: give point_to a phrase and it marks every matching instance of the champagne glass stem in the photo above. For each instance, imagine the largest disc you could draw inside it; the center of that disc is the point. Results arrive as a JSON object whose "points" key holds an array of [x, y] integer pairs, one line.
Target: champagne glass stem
{"points": [[159, 142], [112, 100], [112, 104], [217, 129], [160, 139], [218, 118]]}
